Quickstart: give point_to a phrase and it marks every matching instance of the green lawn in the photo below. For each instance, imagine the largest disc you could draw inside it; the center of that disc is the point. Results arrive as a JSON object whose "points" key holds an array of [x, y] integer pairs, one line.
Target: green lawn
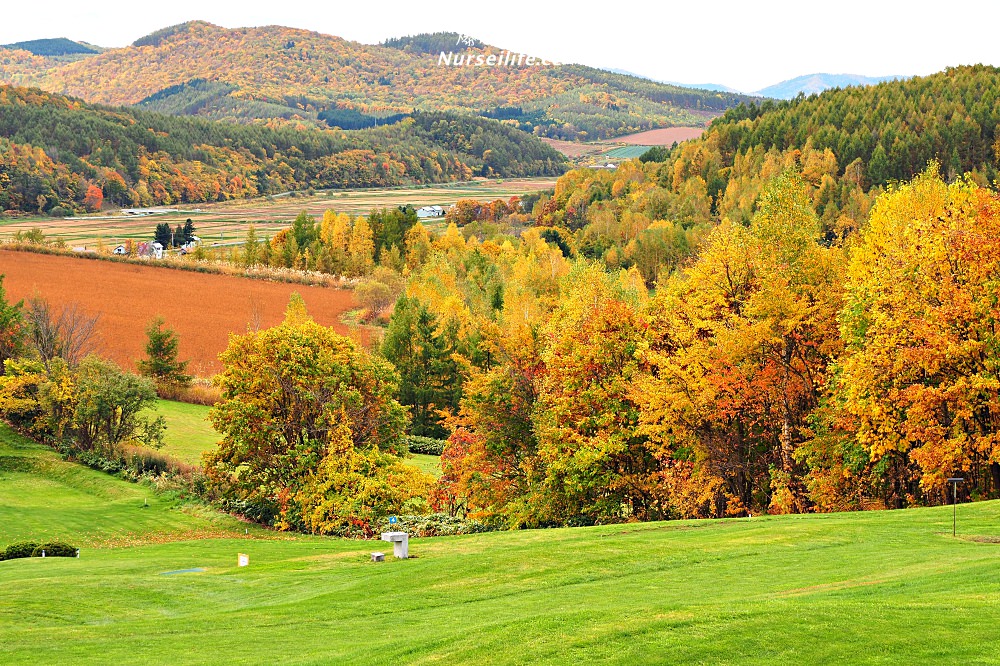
{"points": [[189, 432], [45, 497], [879, 587], [425, 463]]}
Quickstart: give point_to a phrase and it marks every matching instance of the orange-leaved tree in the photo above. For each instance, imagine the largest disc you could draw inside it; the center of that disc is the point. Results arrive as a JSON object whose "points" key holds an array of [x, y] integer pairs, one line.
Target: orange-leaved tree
{"points": [[740, 345]]}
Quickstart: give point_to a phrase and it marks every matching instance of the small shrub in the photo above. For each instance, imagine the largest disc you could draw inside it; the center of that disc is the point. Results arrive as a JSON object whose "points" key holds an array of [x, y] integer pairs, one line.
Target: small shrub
{"points": [[425, 445], [141, 461], [255, 510], [98, 461], [54, 549], [200, 392], [16, 551]]}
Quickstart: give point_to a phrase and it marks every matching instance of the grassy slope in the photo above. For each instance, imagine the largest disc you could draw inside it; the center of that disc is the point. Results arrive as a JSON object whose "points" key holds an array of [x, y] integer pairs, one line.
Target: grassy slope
{"points": [[885, 587], [44, 497], [188, 431], [189, 434], [425, 463]]}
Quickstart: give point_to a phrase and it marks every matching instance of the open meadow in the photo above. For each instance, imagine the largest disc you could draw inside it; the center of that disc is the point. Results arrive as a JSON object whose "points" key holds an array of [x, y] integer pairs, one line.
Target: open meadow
{"points": [[227, 222], [203, 308], [151, 583]]}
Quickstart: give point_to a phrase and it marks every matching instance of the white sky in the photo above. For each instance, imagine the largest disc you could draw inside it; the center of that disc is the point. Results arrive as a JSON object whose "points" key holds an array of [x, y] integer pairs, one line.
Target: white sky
{"points": [[747, 45]]}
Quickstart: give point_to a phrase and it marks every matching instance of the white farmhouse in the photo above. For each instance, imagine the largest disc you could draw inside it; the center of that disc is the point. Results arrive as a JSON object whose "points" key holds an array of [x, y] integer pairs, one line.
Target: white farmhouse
{"points": [[430, 211]]}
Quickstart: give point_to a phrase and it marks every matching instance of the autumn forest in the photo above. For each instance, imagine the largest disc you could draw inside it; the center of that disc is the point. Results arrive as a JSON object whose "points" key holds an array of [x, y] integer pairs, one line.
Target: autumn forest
{"points": [[794, 313]]}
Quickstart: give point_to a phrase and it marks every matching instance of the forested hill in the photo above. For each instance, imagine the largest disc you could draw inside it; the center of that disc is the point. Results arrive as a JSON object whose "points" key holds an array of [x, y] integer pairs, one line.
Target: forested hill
{"points": [[273, 72], [755, 321], [59, 46], [846, 145], [893, 128], [59, 155]]}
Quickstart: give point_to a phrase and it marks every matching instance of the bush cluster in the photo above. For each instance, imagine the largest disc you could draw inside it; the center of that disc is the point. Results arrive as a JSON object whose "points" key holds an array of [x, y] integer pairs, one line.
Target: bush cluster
{"points": [[425, 445], [25, 549], [137, 463], [256, 510]]}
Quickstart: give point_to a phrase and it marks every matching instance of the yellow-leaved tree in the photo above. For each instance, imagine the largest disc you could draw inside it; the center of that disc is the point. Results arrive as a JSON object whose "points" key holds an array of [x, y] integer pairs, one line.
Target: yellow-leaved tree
{"points": [[307, 418], [919, 379], [740, 346]]}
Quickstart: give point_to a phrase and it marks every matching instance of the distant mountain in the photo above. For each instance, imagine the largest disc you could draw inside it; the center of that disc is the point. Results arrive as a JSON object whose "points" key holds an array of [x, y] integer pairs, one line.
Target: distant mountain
{"points": [[714, 87], [816, 83], [285, 75], [59, 46]]}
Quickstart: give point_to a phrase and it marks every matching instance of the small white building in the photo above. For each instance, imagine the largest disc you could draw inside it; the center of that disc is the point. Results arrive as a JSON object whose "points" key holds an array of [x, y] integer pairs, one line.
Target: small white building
{"points": [[121, 251], [430, 211]]}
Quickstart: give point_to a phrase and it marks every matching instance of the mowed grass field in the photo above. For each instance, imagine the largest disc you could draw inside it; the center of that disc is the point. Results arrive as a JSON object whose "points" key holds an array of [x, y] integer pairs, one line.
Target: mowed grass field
{"points": [[203, 308], [226, 223], [189, 433], [870, 588]]}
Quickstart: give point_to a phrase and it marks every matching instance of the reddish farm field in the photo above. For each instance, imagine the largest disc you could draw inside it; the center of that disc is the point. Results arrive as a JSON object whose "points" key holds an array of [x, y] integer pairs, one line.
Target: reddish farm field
{"points": [[662, 137], [203, 308], [574, 149]]}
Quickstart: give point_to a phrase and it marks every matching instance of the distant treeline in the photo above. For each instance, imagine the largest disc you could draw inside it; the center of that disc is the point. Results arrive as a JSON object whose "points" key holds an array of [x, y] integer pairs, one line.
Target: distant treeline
{"points": [[349, 119], [436, 42], [59, 46]]}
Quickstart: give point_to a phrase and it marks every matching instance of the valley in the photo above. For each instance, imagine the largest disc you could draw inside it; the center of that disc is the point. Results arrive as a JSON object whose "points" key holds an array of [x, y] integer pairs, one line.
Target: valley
{"points": [[626, 371]]}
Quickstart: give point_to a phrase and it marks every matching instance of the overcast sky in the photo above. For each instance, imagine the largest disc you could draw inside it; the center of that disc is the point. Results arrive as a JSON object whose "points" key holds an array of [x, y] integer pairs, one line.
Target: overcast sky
{"points": [[747, 45]]}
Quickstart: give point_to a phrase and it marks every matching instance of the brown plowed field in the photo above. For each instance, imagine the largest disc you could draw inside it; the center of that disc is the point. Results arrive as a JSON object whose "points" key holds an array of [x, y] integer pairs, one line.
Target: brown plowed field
{"points": [[203, 308]]}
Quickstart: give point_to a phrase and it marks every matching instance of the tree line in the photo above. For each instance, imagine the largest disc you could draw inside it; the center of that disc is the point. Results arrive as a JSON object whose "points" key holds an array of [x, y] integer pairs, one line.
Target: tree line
{"points": [[772, 372]]}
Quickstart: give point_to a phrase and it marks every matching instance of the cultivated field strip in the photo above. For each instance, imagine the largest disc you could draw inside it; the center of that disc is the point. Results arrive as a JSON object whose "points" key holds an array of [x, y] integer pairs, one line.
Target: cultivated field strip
{"points": [[203, 308], [227, 222]]}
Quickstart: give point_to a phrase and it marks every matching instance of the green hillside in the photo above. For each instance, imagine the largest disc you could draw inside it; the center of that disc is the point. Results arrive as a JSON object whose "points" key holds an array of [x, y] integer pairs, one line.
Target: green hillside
{"points": [[43, 497], [59, 46], [188, 433], [61, 156], [879, 587]]}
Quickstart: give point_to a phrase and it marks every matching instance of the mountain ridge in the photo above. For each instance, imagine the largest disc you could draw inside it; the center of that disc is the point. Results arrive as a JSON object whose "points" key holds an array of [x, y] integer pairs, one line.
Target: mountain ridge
{"points": [[309, 72], [809, 84]]}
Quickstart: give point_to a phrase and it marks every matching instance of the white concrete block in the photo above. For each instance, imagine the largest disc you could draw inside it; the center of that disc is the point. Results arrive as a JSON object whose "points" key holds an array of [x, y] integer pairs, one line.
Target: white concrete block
{"points": [[400, 543]]}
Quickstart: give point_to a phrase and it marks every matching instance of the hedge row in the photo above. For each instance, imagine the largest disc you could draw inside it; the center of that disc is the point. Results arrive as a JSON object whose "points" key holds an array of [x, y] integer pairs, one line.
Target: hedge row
{"points": [[431, 525], [24, 549]]}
